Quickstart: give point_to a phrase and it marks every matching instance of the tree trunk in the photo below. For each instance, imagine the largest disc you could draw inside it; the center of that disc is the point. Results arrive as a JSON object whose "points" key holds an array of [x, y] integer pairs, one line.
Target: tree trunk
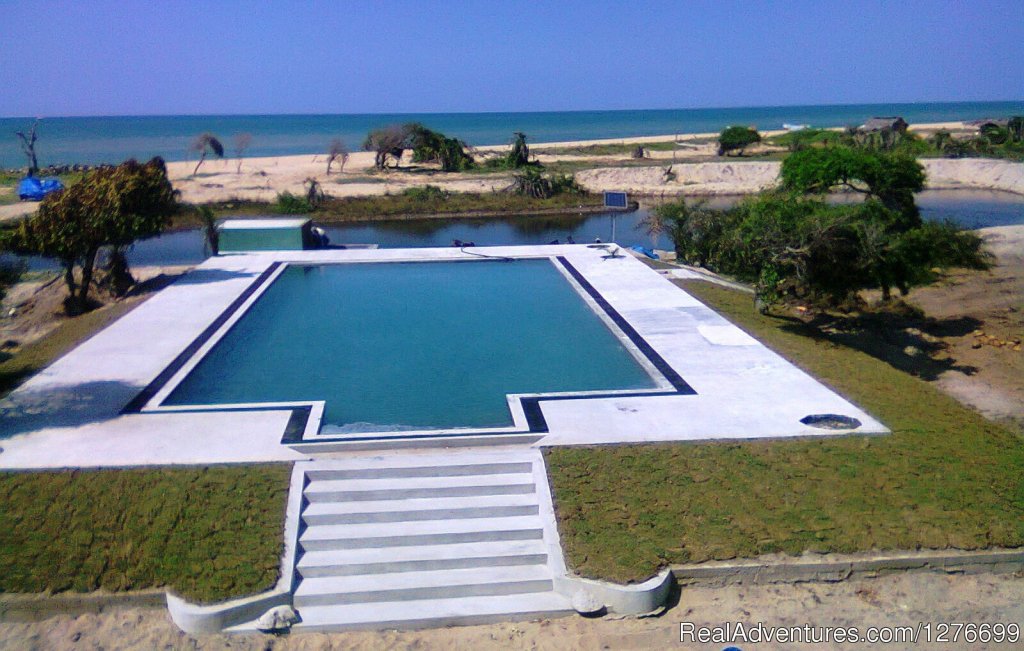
{"points": [[202, 157], [88, 263]]}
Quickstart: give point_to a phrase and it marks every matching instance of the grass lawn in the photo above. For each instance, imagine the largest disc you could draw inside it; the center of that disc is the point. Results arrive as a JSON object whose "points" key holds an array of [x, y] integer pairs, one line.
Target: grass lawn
{"points": [[946, 477], [208, 533], [352, 209]]}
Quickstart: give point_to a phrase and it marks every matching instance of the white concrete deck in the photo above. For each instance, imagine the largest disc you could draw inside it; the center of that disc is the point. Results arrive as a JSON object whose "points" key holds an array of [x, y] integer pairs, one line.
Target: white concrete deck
{"points": [[70, 414]]}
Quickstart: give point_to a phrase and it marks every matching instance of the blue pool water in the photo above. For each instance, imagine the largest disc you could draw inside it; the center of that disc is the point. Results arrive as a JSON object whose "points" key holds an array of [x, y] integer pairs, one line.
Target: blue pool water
{"points": [[393, 346]]}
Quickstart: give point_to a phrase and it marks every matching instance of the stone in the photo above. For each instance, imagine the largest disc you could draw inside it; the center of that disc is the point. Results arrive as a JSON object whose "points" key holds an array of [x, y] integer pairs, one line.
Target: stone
{"points": [[278, 618], [586, 602]]}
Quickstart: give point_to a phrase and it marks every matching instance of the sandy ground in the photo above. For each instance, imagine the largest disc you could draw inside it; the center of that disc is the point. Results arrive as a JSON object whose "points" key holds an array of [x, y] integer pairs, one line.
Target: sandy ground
{"points": [[981, 326], [902, 599], [695, 170], [34, 308]]}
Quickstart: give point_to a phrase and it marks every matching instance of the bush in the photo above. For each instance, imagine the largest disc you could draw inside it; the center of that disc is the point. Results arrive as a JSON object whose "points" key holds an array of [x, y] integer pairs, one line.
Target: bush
{"points": [[426, 193], [803, 248], [805, 138], [291, 204], [737, 138], [530, 182]]}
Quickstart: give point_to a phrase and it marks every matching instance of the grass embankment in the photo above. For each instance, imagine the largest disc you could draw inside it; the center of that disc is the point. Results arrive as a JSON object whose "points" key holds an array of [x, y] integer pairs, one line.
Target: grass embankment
{"points": [[397, 206], [207, 533], [946, 477]]}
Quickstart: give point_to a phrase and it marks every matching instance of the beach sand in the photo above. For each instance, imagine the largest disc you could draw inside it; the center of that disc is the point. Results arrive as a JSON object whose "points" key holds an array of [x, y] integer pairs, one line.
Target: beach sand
{"points": [[902, 599], [697, 170]]}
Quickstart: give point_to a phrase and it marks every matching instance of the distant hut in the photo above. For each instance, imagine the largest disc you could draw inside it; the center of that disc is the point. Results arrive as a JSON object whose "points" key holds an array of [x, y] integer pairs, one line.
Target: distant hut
{"points": [[987, 123], [894, 123]]}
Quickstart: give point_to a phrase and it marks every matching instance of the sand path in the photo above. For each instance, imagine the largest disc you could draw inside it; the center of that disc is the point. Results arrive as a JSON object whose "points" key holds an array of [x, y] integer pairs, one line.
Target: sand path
{"points": [[893, 600]]}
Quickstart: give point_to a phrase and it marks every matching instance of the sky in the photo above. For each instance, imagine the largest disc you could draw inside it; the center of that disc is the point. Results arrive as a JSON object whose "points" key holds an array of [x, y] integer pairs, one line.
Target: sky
{"points": [[396, 56]]}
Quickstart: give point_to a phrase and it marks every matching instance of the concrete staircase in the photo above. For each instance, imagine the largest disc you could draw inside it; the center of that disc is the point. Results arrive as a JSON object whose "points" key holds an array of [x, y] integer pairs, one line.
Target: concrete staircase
{"points": [[426, 540]]}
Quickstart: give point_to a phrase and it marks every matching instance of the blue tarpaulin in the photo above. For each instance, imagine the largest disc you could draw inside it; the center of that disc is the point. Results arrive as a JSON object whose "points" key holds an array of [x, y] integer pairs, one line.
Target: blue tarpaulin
{"points": [[34, 189], [646, 251]]}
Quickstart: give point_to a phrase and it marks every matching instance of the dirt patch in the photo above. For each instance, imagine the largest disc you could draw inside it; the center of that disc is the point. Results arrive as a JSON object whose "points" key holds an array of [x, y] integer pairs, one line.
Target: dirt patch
{"points": [[989, 371], [895, 600], [35, 307]]}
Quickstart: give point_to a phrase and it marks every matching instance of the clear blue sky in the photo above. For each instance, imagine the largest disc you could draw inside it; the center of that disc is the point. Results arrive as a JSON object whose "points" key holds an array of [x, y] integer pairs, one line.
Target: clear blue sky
{"points": [[130, 58]]}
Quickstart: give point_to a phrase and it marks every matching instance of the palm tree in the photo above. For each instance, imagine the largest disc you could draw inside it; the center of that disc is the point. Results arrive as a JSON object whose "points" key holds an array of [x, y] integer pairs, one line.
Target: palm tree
{"points": [[206, 142]]}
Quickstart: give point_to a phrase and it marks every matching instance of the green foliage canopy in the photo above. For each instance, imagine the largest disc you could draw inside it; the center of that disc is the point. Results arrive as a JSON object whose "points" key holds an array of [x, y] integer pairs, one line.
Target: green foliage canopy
{"points": [[737, 138], [891, 178], [110, 206]]}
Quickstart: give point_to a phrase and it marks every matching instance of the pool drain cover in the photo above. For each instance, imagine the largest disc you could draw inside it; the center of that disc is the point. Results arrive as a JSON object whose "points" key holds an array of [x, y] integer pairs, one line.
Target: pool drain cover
{"points": [[830, 421]]}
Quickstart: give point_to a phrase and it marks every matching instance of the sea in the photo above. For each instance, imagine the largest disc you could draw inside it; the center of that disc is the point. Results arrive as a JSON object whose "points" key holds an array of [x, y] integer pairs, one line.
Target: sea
{"points": [[92, 140]]}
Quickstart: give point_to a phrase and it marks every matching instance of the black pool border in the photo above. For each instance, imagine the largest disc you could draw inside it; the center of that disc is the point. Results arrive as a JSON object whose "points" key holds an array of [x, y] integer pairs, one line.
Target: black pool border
{"points": [[139, 401], [535, 421]]}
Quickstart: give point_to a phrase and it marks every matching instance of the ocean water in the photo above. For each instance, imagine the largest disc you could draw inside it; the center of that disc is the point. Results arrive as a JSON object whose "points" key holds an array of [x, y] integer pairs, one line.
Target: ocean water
{"points": [[413, 345], [113, 139]]}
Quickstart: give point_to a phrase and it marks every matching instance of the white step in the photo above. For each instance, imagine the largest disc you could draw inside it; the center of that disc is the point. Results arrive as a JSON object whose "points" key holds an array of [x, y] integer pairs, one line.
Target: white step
{"points": [[430, 557], [430, 584], [428, 532], [417, 487], [432, 470], [432, 613], [478, 506]]}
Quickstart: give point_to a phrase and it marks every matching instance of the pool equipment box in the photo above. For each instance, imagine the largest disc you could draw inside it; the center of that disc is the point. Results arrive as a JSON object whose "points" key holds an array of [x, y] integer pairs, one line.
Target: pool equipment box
{"points": [[284, 234]]}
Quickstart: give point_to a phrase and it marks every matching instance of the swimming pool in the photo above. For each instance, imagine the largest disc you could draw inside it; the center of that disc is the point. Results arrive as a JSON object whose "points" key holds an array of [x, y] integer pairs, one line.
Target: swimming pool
{"points": [[395, 346]]}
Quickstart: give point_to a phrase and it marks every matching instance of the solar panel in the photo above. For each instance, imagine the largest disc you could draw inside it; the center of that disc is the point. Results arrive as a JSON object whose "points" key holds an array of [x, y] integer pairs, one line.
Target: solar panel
{"points": [[615, 200]]}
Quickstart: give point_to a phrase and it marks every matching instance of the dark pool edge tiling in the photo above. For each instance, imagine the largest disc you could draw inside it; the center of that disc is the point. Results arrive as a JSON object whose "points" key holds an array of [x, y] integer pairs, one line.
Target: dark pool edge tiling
{"points": [[139, 401], [535, 421]]}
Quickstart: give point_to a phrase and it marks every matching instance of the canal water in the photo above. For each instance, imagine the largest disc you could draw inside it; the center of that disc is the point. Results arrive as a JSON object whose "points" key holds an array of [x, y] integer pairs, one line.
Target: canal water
{"points": [[969, 208]]}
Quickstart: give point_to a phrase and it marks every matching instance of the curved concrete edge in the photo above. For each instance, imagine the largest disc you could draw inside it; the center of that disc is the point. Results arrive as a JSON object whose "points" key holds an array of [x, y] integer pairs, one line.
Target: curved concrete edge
{"points": [[215, 618], [633, 599]]}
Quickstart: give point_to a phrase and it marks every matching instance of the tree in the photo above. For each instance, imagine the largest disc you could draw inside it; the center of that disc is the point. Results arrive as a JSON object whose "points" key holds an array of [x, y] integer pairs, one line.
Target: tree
{"points": [[737, 138], [108, 207], [1016, 127], [242, 142], [203, 143], [388, 142], [519, 154], [210, 231], [28, 146], [337, 151], [891, 178], [434, 147], [10, 273], [803, 248]]}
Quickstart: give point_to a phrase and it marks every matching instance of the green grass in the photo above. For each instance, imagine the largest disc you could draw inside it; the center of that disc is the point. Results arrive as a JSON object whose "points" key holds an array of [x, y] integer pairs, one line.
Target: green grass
{"points": [[945, 478], [207, 533], [403, 205]]}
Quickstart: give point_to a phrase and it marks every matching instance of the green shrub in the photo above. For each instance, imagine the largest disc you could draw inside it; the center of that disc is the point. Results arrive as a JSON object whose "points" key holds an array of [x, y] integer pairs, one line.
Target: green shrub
{"points": [[291, 204], [426, 193], [737, 138]]}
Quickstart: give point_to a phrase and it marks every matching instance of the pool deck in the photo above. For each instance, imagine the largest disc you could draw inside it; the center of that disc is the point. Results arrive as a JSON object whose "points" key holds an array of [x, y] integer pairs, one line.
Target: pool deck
{"points": [[72, 413]]}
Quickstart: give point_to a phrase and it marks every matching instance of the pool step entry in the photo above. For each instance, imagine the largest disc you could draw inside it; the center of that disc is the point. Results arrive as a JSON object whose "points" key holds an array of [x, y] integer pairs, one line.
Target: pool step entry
{"points": [[427, 540]]}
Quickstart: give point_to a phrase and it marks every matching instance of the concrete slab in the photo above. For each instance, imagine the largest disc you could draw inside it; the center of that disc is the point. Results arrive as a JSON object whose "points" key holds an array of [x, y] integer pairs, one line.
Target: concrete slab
{"points": [[72, 413]]}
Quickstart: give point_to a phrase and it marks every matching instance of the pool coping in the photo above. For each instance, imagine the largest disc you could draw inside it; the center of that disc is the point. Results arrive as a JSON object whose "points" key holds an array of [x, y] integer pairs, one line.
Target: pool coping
{"points": [[305, 420], [719, 383]]}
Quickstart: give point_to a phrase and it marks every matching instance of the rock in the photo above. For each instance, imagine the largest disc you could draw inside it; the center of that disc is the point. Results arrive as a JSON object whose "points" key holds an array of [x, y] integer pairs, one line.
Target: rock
{"points": [[586, 602], [911, 351], [279, 618]]}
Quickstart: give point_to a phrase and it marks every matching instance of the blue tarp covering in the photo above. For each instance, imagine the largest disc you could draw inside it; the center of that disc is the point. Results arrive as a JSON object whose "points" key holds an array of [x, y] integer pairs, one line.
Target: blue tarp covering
{"points": [[34, 189], [646, 251]]}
